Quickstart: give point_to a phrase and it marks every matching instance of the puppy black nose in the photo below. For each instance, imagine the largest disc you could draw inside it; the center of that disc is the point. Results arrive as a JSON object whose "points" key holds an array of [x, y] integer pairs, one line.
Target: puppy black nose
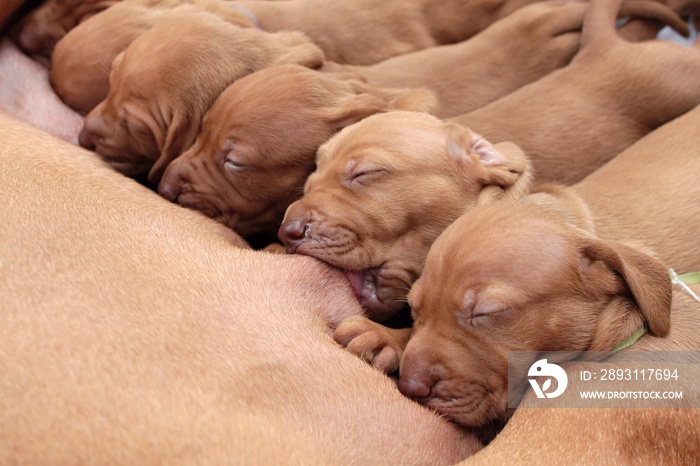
{"points": [[292, 233]]}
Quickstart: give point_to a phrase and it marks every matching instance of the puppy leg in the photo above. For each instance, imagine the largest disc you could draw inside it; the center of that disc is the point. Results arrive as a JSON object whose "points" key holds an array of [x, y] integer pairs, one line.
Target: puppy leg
{"points": [[380, 346]]}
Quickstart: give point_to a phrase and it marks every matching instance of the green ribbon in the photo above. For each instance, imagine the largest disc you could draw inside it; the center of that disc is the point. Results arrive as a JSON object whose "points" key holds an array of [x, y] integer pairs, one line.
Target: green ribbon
{"points": [[681, 280], [684, 280]]}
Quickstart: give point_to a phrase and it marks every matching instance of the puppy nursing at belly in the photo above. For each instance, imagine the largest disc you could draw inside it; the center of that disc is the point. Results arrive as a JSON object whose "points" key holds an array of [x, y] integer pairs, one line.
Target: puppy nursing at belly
{"points": [[164, 82], [383, 190], [578, 268], [258, 142]]}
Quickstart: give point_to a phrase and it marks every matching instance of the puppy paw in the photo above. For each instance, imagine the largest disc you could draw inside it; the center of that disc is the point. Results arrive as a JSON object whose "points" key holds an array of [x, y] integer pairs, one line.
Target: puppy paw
{"points": [[380, 346]]}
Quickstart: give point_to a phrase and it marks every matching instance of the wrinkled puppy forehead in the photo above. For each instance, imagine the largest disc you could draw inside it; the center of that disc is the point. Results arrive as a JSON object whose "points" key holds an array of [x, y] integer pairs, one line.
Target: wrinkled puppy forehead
{"points": [[399, 135], [513, 243]]}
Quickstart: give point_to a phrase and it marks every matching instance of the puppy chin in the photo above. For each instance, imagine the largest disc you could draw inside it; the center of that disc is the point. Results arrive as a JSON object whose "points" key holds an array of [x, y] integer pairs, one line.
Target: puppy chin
{"points": [[487, 411]]}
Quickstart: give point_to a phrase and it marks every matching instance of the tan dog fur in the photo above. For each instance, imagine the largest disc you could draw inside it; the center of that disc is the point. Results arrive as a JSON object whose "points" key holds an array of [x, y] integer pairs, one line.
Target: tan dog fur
{"points": [[619, 201], [569, 275], [137, 334], [258, 142], [519, 49], [621, 436], [362, 32], [156, 99], [579, 293], [82, 59], [357, 213], [613, 93]]}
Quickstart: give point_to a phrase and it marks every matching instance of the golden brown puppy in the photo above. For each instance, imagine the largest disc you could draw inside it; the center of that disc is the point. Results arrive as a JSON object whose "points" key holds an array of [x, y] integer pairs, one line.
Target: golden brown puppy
{"points": [[619, 436], [384, 189], [613, 93], [544, 286], [82, 59], [43, 27], [514, 51], [363, 32], [258, 142], [137, 334], [549, 272], [166, 80]]}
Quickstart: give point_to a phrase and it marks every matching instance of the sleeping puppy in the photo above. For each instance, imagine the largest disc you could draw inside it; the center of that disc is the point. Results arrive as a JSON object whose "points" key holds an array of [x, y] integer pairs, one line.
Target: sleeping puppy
{"points": [[82, 59], [516, 50], [519, 277], [134, 332], [384, 189], [166, 80], [258, 142], [562, 251]]}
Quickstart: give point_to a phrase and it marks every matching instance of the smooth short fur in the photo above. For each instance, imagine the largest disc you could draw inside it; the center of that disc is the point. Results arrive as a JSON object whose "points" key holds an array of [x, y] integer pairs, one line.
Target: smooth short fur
{"points": [[82, 59], [165, 81], [514, 51], [258, 142], [133, 331], [384, 189], [613, 93], [363, 32]]}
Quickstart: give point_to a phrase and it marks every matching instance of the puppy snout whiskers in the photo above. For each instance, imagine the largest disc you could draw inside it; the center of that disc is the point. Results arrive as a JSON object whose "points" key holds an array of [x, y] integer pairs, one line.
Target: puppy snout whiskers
{"points": [[292, 233]]}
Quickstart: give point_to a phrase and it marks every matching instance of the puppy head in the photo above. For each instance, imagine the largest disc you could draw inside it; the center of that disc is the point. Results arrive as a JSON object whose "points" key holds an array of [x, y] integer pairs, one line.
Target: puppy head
{"points": [[82, 60], [165, 81], [259, 139], [48, 23], [385, 188], [512, 276]]}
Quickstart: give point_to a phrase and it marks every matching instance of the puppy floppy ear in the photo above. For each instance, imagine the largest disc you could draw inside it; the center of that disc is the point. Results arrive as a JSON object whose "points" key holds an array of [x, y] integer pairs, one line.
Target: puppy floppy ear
{"points": [[180, 135], [359, 100], [297, 49], [412, 100], [639, 284], [502, 169]]}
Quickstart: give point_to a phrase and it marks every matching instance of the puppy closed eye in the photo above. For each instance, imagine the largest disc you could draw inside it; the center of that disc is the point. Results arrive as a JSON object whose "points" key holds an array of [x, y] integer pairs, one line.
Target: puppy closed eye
{"points": [[488, 313], [132, 124], [233, 164], [484, 314], [366, 176]]}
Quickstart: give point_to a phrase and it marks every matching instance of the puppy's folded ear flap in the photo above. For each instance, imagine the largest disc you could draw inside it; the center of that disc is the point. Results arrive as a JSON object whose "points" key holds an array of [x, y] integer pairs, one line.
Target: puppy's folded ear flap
{"points": [[353, 108], [297, 49], [180, 135], [502, 169], [412, 100], [641, 282]]}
